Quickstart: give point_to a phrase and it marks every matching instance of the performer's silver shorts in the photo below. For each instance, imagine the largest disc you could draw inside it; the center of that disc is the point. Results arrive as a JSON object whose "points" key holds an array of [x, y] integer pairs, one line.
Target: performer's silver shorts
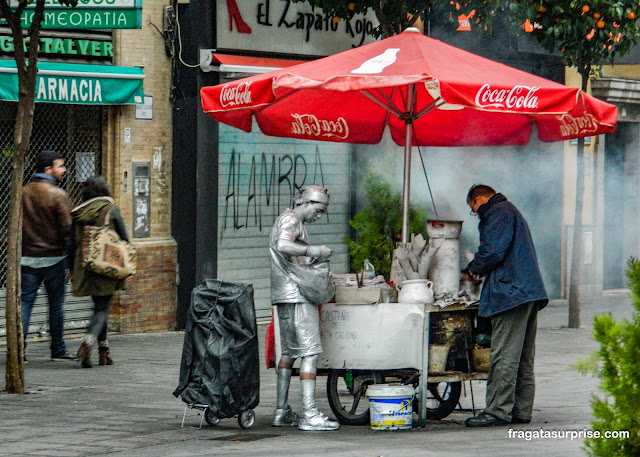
{"points": [[299, 329]]}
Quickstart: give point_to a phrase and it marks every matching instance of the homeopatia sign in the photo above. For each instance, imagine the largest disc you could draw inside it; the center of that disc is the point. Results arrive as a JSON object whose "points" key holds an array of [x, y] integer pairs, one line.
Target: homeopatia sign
{"points": [[88, 14]]}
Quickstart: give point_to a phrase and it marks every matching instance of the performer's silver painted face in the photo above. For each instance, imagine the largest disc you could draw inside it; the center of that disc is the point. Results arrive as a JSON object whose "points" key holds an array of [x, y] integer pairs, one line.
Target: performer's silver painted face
{"points": [[314, 211]]}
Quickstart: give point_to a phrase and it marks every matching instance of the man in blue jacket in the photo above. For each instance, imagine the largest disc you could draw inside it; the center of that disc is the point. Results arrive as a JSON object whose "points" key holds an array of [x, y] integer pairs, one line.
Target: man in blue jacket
{"points": [[512, 295]]}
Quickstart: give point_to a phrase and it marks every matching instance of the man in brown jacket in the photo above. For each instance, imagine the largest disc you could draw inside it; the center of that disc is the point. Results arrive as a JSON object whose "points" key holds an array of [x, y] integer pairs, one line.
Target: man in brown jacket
{"points": [[46, 224]]}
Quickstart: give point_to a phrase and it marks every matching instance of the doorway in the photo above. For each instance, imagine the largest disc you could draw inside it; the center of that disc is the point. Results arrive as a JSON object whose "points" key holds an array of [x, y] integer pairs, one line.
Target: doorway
{"points": [[620, 232]]}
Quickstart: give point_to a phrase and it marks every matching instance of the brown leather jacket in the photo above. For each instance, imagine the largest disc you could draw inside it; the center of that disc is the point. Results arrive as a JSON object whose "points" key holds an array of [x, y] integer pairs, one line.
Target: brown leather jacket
{"points": [[46, 219]]}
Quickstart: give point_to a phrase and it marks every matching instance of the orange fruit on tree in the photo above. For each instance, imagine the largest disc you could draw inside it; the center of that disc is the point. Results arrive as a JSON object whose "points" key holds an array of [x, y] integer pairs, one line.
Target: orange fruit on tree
{"points": [[352, 6], [601, 24], [596, 15], [336, 19], [631, 15], [542, 9], [585, 8]]}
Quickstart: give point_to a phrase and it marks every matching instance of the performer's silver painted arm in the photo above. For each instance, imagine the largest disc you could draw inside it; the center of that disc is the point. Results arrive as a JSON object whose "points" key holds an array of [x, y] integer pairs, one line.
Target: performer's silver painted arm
{"points": [[291, 248]]}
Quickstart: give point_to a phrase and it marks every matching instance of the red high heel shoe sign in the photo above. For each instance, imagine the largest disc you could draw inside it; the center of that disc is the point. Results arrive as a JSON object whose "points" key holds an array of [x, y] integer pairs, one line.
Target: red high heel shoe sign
{"points": [[236, 17]]}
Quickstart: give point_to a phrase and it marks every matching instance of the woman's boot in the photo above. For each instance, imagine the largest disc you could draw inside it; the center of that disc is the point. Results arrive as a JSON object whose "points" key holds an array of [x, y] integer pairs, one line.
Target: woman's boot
{"points": [[84, 351], [104, 357]]}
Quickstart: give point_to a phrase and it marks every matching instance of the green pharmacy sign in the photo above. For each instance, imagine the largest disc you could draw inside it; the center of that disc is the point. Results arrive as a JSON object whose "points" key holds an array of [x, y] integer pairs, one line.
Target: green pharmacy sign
{"points": [[77, 84]]}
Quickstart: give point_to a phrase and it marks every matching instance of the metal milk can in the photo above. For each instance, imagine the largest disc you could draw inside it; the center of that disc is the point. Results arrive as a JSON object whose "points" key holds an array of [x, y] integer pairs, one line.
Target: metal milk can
{"points": [[444, 270]]}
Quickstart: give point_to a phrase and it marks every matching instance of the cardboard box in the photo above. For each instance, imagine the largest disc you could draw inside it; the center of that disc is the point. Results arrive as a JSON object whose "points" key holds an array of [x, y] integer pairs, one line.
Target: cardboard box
{"points": [[385, 336], [365, 295]]}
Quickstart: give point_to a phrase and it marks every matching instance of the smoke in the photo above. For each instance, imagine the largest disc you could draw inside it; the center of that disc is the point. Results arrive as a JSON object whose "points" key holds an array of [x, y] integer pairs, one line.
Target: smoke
{"points": [[529, 176]]}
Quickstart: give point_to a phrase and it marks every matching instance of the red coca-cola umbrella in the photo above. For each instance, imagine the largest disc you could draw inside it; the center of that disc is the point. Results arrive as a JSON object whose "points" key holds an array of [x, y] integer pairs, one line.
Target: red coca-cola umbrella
{"points": [[426, 92]]}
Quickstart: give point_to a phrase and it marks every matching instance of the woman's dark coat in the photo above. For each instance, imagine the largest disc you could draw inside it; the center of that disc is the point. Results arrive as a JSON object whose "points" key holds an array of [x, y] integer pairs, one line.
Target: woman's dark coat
{"points": [[93, 212]]}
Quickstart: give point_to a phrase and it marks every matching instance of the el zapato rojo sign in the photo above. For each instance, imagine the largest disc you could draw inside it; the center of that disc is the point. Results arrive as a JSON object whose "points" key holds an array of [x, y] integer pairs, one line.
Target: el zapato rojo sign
{"points": [[87, 14]]}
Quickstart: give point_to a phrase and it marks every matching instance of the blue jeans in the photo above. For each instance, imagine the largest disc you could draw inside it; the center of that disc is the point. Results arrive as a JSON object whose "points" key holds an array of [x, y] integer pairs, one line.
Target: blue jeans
{"points": [[54, 282]]}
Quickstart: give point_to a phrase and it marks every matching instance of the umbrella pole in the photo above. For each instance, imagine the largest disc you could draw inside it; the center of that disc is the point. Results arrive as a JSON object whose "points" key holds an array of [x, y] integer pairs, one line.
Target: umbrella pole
{"points": [[408, 136], [407, 181]]}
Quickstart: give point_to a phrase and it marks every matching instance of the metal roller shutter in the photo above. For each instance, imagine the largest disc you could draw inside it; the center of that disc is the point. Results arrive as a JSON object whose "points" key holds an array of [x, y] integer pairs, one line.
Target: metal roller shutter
{"points": [[258, 176], [76, 132]]}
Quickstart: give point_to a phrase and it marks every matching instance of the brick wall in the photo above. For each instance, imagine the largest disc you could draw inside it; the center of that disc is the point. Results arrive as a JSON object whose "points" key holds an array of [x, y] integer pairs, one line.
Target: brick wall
{"points": [[149, 302]]}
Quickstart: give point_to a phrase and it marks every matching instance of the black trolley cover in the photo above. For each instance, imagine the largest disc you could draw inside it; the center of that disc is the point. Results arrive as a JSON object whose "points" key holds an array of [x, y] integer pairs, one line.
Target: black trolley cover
{"points": [[220, 361]]}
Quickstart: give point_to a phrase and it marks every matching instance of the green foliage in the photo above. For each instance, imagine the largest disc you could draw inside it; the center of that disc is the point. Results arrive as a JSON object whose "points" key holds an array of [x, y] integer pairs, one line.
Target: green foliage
{"points": [[379, 224], [8, 152], [396, 15], [587, 33], [589, 365], [619, 354]]}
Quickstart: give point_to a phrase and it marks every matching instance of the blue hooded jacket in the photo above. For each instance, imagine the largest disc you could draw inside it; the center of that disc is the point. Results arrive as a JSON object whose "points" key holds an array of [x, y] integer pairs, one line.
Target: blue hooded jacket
{"points": [[506, 258]]}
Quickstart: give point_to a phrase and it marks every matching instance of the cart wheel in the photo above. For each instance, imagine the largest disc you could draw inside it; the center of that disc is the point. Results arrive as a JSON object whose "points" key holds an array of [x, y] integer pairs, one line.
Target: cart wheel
{"points": [[247, 418], [442, 399], [211, 418], [346, 392]]}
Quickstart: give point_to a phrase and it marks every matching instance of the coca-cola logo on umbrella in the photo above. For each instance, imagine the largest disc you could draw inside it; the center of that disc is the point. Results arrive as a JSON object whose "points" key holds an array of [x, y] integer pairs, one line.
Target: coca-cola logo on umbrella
{"points": [[571, 126], [235, 96], [516, 97], [310, 125]]}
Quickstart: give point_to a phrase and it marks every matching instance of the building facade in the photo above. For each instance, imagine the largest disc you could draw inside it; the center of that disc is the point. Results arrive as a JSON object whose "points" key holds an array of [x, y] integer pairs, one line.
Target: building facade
{"points": [[233, 184], [127, 139], [199, 198]]}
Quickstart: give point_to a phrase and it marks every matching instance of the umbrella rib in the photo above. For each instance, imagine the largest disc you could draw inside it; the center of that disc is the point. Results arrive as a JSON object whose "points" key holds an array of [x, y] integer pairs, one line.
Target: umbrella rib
{"points": [[390, 107], [414, 89], [383, 95], [430, 107], [389, 99], [408, 114]]}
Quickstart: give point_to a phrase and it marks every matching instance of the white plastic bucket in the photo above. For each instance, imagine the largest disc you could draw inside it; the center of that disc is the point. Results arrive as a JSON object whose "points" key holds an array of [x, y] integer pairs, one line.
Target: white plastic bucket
{"points": [[390, 406]]}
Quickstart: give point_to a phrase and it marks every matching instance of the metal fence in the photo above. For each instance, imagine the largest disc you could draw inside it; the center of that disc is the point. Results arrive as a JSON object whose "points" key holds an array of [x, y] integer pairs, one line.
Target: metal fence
{"points": [[73, 130], [76, 132]]}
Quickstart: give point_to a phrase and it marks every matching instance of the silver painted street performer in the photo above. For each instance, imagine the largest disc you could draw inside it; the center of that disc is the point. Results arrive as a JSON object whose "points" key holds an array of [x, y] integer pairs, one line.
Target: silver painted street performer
{"points": [[299, 282]]}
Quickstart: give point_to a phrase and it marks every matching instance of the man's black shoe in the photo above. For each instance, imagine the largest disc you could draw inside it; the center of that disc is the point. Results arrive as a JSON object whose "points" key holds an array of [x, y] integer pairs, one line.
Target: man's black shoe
{"points": [[517, 420], [66, 356], [484, 420]]}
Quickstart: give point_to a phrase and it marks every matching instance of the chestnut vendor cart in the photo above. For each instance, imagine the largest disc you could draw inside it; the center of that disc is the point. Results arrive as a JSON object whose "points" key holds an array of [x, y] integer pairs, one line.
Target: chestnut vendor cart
{"points": [[368, 344]]}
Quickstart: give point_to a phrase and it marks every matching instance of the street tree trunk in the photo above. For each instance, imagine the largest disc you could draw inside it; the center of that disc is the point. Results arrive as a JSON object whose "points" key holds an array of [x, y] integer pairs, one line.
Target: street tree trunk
{"points": [[578, 244], [577, 252], [27, 69], [15, 350]]}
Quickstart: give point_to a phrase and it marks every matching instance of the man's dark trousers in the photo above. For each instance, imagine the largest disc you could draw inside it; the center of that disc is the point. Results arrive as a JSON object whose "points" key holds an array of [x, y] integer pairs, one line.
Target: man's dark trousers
{"points": [[511, 381]]}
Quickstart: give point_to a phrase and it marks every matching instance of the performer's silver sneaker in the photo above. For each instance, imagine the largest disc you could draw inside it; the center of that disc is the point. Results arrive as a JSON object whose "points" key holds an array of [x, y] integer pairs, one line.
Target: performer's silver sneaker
{"points": [[317, 421], [284, 418]]}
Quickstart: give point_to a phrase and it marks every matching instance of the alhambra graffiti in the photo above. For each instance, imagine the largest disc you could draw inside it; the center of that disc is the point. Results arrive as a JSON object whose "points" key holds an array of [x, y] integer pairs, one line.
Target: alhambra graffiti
{"points": [[261, 186]]}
